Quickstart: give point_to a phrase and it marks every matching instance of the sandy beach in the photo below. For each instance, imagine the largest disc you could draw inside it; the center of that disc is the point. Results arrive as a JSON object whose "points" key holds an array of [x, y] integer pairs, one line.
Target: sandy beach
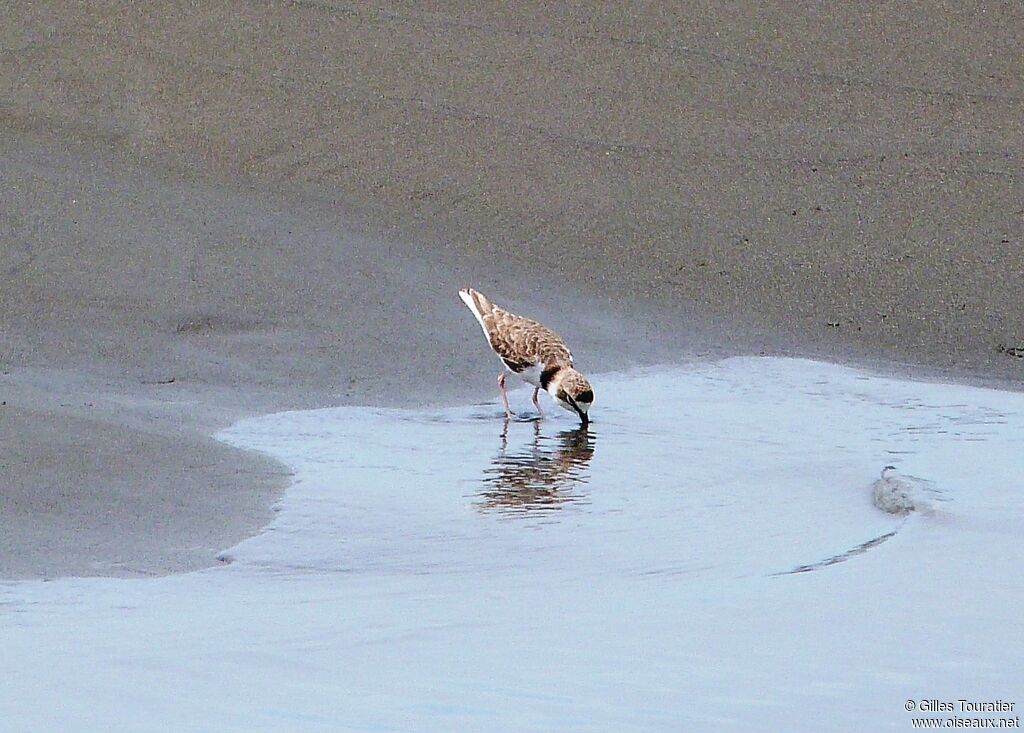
{"points": [[215, 211]]}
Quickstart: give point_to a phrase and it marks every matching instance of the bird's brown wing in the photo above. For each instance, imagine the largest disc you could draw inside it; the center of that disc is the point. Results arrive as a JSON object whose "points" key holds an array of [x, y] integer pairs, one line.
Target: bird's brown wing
{"points": [[522, 342]]}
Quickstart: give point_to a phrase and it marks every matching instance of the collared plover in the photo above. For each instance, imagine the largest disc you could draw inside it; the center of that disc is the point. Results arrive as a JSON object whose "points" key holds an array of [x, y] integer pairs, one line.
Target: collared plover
{"points": [[534, 352]]}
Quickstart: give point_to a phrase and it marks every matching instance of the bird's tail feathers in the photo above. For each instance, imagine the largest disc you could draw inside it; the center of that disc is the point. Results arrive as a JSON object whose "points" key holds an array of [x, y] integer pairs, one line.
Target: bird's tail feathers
{"points": [[478, 303]]}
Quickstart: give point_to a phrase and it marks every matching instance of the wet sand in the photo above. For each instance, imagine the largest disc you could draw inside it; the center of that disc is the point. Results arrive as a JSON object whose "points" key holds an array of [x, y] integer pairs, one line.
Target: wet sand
{"points": [[271, 205]]}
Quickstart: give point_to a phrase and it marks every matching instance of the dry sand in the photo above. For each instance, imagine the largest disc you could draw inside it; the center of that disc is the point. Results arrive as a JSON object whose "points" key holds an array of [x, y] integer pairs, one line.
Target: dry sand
{"points": [[271, 203]]}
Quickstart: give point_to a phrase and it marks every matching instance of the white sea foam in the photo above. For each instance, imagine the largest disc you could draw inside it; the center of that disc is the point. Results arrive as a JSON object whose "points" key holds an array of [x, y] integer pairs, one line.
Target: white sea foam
{"points": [[708, 557], [898, 494]]}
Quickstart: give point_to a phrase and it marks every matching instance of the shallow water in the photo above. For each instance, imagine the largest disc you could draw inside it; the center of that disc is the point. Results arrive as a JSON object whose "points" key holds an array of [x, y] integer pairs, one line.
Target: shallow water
{"points": [[705, 556]]}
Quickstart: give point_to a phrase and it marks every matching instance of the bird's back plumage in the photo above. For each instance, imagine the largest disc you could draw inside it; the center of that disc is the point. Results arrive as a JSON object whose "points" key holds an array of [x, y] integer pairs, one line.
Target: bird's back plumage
{"points": [[520, 342]]}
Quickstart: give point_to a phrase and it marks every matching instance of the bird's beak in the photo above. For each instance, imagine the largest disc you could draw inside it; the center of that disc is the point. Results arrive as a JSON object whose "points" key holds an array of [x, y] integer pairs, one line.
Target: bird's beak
{"points": [[581, 413]]}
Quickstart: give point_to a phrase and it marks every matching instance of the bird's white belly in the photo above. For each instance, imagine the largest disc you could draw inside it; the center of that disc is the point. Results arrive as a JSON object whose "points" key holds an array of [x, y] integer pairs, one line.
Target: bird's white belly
{"points": [[531, 374]]}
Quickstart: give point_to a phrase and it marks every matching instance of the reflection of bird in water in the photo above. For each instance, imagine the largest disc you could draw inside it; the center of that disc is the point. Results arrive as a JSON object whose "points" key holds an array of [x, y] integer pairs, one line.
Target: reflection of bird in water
{"points": [[542, 476]]}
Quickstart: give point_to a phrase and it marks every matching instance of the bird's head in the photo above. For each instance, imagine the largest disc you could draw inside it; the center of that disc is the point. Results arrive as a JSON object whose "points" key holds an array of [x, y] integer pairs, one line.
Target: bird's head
{"points": [[573, 392]]}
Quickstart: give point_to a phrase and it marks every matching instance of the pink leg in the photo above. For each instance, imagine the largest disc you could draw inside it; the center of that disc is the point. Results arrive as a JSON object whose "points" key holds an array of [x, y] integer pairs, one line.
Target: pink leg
{"points": [[536, 402], [504, 394]]}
